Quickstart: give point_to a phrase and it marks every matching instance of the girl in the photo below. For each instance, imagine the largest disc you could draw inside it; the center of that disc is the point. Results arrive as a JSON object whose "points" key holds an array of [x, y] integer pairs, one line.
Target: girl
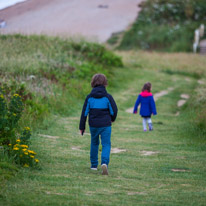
{"points": [[148, 107]]}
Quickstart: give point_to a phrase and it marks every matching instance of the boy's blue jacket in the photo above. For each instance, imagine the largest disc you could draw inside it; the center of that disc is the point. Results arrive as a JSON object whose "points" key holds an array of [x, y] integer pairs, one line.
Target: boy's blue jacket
{"points": [[147, 102], [101, 108]]}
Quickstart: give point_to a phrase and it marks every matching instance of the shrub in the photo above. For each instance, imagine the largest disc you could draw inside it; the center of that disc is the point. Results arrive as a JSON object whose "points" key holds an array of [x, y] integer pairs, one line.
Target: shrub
{"points": [[165, 25], [15, 142], [97, 54], [9, 117], [21, 153]]}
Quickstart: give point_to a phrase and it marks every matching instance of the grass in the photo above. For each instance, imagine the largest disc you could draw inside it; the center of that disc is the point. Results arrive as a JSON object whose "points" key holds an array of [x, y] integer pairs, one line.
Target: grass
{"points": [[174, 175], [50, 73]]}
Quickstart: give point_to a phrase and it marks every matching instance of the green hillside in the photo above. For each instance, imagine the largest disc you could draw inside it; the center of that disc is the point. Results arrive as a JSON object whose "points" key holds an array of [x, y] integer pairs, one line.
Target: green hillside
{"points": [[52, 76], [164, 26]]}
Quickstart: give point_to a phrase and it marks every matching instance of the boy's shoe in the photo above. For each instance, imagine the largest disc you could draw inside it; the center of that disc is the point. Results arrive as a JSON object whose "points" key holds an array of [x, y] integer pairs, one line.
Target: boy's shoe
{"points": [[104, 169], [93, 168], [145, 130]]}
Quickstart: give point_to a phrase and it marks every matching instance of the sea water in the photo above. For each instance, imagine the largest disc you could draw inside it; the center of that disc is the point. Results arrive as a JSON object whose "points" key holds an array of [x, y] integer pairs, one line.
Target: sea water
{"points": [[7, 3]]}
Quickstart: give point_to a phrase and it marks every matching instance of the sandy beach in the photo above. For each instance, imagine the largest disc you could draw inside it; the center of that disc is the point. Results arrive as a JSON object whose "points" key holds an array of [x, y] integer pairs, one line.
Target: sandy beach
{"points": [[94, 20]]}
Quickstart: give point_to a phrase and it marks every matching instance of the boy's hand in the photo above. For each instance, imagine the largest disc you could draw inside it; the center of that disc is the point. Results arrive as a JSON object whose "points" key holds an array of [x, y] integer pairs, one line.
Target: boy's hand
{"points": [[81, 132]]}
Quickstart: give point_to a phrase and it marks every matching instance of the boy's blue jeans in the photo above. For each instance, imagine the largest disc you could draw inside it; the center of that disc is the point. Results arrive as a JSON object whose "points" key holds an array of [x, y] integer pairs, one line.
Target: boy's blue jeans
{"points": [[105, 133]]}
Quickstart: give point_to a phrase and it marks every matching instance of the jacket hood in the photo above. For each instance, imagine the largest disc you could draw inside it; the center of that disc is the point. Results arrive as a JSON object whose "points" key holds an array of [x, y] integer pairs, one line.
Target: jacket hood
{"points": [[98, 92], [145, 93]]}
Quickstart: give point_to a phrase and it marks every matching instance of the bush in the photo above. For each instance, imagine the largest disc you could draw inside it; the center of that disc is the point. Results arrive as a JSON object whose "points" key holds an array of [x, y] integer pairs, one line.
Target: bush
{"points": [[165, 25], [14, 140], [21, 153], [97, 54], [9, 117]]}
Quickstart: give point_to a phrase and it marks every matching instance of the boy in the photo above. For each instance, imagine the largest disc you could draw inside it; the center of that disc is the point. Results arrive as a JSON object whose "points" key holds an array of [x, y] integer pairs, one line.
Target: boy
{"points": [[102, 111]]}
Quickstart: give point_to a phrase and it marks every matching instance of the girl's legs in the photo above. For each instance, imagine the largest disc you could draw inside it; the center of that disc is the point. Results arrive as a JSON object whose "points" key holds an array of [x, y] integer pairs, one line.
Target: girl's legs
{"points": [[146, 120], [149, 120], [94, 146], [144, 123]]}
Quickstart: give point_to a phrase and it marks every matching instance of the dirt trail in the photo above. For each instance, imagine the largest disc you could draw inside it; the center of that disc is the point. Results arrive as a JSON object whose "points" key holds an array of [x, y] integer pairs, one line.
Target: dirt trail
{"points": [[183, 100], [94, 20]]}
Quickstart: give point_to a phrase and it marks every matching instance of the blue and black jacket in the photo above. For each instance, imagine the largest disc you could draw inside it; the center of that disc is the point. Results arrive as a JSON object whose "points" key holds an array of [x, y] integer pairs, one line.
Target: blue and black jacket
{"points": [[101, 108]]}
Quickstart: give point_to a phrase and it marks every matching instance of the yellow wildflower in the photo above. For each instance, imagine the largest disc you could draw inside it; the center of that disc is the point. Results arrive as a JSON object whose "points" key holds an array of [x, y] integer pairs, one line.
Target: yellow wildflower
{"points": [[16, 95], [15, 148], [24, 146], [24, 150], [14, 114], [9, 144], [32, 156], [2, 96], [18, 140], [32, 152], [26, 153], [26, 165], [36, 160], [27, 128]]}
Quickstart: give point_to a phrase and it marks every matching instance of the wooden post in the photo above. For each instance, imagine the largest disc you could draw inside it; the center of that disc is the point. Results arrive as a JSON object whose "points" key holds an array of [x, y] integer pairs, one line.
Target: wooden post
{"points": [[202, 30], [196, 40]]}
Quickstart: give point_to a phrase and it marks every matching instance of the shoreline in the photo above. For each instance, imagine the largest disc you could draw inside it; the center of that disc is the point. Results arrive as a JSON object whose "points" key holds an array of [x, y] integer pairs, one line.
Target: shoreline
{"points": [[88, 19]]}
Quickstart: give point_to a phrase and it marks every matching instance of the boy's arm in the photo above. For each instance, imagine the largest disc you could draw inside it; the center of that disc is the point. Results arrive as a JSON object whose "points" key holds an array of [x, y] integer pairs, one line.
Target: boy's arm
{"points": [[153, 106], [83, 116], [136, 105], [113, 108]]}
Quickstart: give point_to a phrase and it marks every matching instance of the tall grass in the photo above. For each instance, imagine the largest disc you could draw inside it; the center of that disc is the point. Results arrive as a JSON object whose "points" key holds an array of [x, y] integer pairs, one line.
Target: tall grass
{"points": [[50, 73]]}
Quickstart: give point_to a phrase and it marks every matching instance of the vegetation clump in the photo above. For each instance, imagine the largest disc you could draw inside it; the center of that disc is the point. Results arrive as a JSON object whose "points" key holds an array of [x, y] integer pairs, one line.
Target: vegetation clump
{"points": [[13, 140], [165, 25], [51, 73]]}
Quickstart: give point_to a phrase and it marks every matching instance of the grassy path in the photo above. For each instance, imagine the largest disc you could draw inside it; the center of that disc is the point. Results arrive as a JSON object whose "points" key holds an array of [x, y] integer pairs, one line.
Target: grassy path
{"points": [[162, 167]]}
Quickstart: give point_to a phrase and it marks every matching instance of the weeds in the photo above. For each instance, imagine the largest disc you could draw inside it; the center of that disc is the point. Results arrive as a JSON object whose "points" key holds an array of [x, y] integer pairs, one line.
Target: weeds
{"points": [[13, 143], [51, 73]]}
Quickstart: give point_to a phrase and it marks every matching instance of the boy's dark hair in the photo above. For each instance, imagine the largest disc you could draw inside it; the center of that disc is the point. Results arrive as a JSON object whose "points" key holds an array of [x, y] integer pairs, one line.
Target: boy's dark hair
{"points": [[147, 86], [99, 80]]}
